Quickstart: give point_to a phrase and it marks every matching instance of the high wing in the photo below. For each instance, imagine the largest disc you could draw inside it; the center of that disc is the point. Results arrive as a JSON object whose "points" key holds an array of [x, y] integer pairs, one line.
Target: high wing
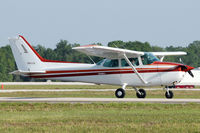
{"points": [[108, 52]]}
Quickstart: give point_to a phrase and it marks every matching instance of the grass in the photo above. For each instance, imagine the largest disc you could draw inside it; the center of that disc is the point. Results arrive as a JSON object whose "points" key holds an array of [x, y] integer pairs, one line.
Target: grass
{"points": [[8, 87], [107, 94], [97, 117]]}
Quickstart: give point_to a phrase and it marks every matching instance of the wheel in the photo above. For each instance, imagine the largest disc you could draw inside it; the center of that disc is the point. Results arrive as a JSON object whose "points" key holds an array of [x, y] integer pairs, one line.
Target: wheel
{"points": [[120, 93], [169, 95], [142, 93]]}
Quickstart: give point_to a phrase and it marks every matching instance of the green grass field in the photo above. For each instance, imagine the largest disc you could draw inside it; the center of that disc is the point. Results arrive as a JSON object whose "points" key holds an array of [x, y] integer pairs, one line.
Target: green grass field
{"points": [[7, 87], [97, 117]]}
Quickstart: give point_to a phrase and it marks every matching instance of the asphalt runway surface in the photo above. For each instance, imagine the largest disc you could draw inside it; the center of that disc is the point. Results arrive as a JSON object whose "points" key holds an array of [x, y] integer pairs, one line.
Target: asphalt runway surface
{"points": [[99, 100]]}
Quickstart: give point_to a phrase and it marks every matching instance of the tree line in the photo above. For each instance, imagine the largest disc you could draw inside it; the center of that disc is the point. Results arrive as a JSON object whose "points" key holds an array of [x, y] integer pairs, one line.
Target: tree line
{"points": [[64, 52]]}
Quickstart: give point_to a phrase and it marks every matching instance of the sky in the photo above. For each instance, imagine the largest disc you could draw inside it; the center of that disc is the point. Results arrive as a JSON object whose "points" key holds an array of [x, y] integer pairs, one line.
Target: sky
{"points": [[46, 22]]}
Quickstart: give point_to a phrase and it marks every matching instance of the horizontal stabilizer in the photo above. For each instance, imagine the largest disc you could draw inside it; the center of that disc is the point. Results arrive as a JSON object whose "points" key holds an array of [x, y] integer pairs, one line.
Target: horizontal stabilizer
{"points": [[169, 53], [20, 72]]}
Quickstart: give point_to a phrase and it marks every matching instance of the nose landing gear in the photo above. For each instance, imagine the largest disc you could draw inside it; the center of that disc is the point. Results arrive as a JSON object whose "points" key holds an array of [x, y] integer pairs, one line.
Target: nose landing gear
{"points": [[169, 94]]}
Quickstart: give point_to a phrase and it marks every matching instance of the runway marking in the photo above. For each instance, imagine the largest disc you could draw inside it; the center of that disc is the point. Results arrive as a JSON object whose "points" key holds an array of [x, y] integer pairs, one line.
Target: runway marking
{"points": [[101, 100]]}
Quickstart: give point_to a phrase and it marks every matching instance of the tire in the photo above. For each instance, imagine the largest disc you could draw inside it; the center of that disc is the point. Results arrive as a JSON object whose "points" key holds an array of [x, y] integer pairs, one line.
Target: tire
{"points": [[120, 93], [142, 93], [170, 95]]}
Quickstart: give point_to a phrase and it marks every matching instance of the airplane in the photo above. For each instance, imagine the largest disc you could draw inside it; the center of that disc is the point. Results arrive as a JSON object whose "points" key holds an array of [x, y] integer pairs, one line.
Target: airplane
{"points": [[119, 67]]}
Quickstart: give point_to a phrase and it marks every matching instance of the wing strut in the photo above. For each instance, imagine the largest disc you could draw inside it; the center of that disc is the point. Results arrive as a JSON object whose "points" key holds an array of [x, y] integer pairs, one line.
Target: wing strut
{"points": [[134, 69], [161, 58]]}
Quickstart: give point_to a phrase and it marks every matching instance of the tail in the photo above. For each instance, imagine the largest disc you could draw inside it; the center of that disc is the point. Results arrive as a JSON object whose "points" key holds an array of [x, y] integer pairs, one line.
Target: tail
{"points": [[26, 57]]}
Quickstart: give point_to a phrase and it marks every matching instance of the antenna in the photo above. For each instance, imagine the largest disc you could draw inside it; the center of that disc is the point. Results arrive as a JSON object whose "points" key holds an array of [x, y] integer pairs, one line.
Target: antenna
{"points": [[123, 46], [115, 45], [118, 47]]}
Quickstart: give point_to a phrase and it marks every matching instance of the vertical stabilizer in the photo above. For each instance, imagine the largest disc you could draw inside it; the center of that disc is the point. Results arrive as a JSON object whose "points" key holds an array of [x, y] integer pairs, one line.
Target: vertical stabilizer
{"points": [[26, 58]]}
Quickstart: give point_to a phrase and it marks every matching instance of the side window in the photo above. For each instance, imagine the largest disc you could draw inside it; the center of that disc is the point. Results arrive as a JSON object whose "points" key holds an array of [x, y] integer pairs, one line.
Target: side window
{"points": [[134, 62], [111, 63], [124, 63]]}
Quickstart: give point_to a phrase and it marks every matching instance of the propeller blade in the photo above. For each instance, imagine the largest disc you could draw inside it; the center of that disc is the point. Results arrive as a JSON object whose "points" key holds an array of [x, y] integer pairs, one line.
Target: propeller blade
{"points": [[187, 69], [191, 74]]}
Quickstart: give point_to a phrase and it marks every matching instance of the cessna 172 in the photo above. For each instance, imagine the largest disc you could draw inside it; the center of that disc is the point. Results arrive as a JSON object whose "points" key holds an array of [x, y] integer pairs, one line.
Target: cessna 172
{"points": [[120, 67]]}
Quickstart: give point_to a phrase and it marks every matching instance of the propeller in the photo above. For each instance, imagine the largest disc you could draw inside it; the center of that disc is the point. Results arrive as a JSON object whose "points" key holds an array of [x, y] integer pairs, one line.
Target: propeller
{"points": [[191, 74], [185, 67]]}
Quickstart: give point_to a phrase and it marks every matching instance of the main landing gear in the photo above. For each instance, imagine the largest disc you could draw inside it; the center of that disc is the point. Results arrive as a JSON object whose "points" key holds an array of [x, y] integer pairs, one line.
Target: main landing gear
{"points": [[120, 93], [141, 93]]}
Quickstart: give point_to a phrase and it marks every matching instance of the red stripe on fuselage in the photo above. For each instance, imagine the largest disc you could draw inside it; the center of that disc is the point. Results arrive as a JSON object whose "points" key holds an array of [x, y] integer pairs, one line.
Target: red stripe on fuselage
{"points": [[104, 73], [95, 70]]}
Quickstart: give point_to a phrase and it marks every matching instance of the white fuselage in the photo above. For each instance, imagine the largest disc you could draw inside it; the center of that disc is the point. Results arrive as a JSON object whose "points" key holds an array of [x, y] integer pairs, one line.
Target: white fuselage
{"points": [[154, 74]]}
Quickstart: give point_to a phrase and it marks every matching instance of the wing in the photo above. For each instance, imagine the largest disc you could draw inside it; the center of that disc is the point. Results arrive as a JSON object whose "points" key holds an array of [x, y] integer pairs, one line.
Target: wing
{"points": [[168, 53], [108, 52]]}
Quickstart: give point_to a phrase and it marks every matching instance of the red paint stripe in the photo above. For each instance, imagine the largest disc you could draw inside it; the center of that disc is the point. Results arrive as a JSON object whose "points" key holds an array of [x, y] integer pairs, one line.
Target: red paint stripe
{"points": [[40, 57], [100, 70], [165, 63], [102, 73]]}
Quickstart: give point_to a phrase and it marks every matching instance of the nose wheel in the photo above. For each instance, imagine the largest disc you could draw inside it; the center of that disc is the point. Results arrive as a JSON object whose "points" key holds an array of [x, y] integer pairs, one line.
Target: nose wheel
{"points": [[169, 94]]}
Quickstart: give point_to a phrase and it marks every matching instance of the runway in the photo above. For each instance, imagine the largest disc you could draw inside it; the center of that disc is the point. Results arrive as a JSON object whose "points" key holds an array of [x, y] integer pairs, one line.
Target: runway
{"points": [[98, 100]]}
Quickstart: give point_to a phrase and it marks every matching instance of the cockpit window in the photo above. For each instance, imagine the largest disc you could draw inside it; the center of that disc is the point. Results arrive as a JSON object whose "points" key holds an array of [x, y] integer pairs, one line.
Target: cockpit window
{"points": [[99, 63], [148, 58], [134, 62], [111, 63]]}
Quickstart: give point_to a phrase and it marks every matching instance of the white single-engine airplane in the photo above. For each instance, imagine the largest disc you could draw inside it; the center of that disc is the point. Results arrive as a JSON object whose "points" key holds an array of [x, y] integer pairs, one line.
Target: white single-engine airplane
{"points": [[120, 67]]}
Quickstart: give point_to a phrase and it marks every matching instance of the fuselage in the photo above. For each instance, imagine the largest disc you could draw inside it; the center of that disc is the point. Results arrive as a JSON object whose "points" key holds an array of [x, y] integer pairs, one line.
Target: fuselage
{"points": [[156, 73]]}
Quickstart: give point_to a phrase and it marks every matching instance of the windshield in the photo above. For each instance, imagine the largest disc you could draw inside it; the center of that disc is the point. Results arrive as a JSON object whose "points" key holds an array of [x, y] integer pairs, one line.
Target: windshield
{"points": [[148, 58], [111, 63], [99, 63]]}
